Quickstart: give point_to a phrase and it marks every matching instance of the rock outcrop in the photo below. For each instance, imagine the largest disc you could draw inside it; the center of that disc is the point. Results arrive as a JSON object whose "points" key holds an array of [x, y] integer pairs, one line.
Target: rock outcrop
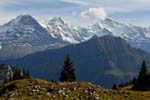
{"points": [[6, 73]]}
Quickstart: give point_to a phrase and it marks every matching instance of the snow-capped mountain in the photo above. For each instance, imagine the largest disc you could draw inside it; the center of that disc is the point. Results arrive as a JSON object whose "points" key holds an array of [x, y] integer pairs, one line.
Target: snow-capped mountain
{"points": [[136, 36], [58, 28], [24, 35], [23, 29]]}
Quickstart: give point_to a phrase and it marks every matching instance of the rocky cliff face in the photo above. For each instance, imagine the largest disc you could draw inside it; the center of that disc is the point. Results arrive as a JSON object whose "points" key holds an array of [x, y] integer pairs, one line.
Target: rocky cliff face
{"points": [[6, 73]]}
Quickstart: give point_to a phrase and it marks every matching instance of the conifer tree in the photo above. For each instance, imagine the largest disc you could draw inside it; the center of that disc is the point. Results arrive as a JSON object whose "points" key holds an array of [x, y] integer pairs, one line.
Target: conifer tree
{"points": [[68, 71], [134, 80], [144, 70], [142, 82], [114, 87], [20, 74], [27, 74]]}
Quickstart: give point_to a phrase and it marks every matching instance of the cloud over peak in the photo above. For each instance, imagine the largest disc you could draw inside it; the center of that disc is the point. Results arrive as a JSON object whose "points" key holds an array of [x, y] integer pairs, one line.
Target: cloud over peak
{"points": [[95, 13]]}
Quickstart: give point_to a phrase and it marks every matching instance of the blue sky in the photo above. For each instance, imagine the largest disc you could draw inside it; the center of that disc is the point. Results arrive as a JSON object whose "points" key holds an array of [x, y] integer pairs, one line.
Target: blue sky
{"points": [[79, 12]]}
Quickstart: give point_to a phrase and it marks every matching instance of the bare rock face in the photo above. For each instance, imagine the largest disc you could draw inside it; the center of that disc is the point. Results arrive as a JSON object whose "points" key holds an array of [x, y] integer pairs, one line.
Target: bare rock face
{"points": [[6, 73]]}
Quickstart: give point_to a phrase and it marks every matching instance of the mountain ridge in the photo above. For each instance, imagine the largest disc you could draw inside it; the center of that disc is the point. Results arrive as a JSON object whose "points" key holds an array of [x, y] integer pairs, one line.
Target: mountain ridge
{"points": [[108, 57], [27, 35], [136, 36]]}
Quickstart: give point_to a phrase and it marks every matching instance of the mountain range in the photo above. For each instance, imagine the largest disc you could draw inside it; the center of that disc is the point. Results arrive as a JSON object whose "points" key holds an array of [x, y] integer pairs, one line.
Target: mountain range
{"points": [[25, 35], [102, 60], [138, 37], [104, 53]]}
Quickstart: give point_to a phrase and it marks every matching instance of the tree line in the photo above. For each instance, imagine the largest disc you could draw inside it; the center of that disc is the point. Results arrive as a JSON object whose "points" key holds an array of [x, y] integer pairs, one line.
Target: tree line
{"points": [[141, 82], [19, 74], [67, 74]]}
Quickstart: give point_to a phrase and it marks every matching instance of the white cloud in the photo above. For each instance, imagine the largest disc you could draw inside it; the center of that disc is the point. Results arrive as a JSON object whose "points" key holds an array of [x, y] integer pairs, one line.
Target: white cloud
{"points": [[95, 13]]}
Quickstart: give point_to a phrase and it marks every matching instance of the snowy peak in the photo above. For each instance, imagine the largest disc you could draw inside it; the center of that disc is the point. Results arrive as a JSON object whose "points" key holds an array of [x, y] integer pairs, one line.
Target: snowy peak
{"points": [[21, 23], [23, 31], [24, 19], [120, 29], [136, 36], [57, 21], [60, 29], [109, 21], [97, 26]]}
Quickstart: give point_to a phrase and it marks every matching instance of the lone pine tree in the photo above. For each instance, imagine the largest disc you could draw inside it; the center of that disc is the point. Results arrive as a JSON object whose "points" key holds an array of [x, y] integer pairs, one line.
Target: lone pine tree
{"points": [[144, 69], [68, 71], [143, 81]]}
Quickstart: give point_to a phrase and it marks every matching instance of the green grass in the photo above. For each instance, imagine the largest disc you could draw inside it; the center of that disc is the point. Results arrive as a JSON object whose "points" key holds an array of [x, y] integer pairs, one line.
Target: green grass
{"points": [[75, 91]]}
